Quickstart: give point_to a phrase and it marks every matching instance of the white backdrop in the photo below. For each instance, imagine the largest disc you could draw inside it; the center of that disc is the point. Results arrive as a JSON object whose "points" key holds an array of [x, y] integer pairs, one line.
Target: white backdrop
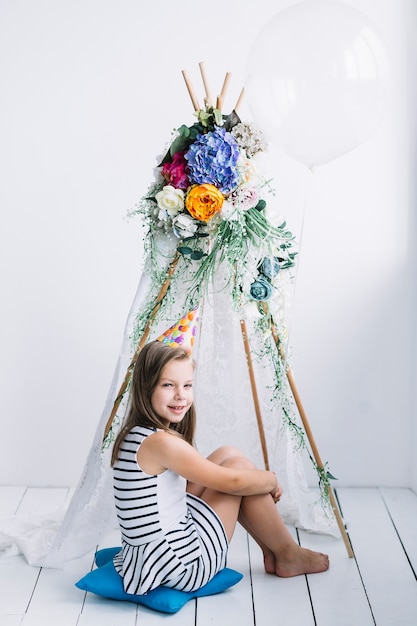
{"points": [[91, 90]]}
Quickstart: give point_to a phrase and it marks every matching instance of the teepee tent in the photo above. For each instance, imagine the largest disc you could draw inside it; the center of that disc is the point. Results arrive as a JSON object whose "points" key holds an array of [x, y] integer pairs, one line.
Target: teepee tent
{"points": [[211, 242]]}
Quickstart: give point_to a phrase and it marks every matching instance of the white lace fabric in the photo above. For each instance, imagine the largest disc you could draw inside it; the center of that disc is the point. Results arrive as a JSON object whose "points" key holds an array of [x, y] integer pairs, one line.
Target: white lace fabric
{"points": [[225, 415]]}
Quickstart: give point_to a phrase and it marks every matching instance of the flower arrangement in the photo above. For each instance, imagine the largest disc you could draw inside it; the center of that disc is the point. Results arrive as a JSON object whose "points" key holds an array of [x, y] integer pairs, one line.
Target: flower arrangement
{"points": [[209, 195]]}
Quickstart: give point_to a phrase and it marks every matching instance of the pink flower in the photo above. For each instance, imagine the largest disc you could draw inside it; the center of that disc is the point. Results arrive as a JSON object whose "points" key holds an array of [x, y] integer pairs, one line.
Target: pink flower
{"points": [[174, 172], [245, 197]]}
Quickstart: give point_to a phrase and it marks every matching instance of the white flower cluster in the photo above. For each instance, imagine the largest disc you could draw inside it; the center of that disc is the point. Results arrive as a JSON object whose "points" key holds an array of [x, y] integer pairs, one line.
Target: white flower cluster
{"points": [[249, 137], [170, 203]]}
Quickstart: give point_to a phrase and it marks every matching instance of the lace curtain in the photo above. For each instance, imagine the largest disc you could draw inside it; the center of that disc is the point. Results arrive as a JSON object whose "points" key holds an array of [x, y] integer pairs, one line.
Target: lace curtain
{"points": [[225, 415]]}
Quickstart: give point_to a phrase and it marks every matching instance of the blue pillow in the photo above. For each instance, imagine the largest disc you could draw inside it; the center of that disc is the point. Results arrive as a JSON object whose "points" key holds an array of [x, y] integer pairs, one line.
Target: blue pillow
{"points": [[105, 555], [105, 581]]}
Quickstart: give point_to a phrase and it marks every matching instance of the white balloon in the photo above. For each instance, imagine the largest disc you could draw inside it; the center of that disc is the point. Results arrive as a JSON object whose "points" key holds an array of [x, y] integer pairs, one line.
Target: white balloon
{"points": [[317, 80]]}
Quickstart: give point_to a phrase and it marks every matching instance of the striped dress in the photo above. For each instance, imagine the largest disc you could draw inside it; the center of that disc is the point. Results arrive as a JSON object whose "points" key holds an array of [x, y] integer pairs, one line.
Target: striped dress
{"points": [[169, 537]]}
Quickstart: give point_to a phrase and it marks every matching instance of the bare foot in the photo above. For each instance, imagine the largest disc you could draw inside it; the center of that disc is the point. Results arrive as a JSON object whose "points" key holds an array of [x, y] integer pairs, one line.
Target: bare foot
{"points": [[296, 560], [269, 562]]}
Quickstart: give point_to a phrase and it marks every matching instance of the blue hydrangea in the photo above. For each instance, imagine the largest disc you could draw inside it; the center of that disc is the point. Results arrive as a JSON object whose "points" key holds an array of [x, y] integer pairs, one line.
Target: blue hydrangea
{"points": [[212, 159]]}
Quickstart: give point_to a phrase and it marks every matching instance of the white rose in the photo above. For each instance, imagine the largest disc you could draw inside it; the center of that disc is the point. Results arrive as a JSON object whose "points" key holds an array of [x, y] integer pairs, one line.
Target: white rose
{"points": [[228, 211], [170, 199], [184, 226]]}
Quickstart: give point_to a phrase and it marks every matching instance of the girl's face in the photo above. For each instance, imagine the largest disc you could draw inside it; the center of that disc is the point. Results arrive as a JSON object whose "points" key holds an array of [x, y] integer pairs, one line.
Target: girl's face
{"points": [[173, 394]]}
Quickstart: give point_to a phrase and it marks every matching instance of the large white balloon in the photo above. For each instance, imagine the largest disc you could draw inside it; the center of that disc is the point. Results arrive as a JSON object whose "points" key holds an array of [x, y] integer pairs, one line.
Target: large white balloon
{"points": [[317, 80]]}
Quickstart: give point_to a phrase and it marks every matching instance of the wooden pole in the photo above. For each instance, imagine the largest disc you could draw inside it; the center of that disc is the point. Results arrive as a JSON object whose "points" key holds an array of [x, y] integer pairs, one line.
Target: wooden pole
{"points": [[225, 86], [239, 100], [191, 91], [319, 462], [254, 393], [205, 83], [142, 341], [309, 433], [221, 96]]}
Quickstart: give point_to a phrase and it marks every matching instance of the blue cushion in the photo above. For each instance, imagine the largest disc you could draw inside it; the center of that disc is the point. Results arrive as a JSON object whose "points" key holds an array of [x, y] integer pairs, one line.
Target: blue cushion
{"points": [[105, 581], [105, 555]]}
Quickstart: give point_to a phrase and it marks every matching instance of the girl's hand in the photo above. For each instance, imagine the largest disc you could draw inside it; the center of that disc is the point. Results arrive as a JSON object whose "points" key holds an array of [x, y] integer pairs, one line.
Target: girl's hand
{"points": [[276, 493]]}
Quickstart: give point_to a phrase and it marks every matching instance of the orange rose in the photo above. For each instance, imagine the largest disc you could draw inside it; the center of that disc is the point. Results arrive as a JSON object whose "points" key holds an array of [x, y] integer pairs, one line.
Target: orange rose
{"points": [[203, 201]]}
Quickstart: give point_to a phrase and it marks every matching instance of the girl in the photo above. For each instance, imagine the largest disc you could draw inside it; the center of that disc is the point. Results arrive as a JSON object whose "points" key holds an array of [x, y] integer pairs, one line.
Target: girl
{"points": [[178, 510]]}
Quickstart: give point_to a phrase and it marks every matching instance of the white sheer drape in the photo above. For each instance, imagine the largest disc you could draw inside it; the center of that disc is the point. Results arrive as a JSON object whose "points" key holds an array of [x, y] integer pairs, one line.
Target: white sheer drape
{"points": [[225, 411]]}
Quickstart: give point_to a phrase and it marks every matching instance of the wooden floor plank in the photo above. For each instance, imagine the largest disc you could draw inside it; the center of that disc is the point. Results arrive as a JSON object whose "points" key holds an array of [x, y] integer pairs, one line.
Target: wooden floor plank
{"points": [[10, 498], [286, 600], [402, 507], [337, 596], [223, 608], [382, 527], [38, 500], [106, 612], [56, 600], [388, 578], [11, 620], [184, 617], [17, 581]]}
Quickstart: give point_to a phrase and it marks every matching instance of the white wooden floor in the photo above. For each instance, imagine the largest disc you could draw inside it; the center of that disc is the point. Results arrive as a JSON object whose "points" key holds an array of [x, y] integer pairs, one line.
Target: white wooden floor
{"points": [[378, 586]]}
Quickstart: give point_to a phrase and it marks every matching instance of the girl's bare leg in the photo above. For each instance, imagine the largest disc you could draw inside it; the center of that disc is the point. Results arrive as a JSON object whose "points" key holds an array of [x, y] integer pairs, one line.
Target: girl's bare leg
{"points": [[260, 517], [269, 556]]}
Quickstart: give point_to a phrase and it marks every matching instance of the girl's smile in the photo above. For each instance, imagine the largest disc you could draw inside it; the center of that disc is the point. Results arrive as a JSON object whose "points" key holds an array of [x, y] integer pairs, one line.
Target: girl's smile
{"points": [[173, 395]]}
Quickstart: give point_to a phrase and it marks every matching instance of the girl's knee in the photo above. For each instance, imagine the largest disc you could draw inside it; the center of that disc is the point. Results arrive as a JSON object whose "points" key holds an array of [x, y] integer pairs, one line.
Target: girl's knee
{"points": [[224, 454], [234, 457], [230, 451], [238, 462]]}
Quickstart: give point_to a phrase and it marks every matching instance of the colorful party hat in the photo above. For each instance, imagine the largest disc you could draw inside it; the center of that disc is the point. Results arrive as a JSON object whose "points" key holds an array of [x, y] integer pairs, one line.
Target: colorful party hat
{"points": [[182, 334]]}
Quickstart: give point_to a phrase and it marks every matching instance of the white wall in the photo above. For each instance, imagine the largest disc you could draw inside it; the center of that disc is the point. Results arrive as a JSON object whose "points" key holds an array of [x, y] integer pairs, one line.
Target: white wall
{"points": [[90, 92], [412, 38]]}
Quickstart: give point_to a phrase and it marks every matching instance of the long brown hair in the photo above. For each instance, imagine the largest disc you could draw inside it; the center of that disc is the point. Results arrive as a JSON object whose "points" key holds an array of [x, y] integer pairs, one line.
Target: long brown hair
{"points": [[147, 371]]}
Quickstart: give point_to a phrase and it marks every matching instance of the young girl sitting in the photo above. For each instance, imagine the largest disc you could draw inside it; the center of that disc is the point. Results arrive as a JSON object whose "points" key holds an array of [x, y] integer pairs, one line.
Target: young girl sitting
{"points": [[178, 510]]}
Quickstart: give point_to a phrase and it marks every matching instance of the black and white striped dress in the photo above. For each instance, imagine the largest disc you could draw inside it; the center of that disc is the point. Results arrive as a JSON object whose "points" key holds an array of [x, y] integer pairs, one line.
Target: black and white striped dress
{"points": [[169, 537]]}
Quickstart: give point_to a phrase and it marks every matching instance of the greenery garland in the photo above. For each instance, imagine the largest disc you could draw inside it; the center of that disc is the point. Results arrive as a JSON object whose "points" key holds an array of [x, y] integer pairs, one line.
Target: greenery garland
{"points": [[208, 203]]}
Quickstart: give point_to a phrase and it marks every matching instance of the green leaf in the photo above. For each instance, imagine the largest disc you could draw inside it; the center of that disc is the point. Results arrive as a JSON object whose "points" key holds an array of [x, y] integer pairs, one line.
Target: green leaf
{"points": [[196, 255], [201, 235], [218, 117], [185, 250], [179, 144], [195, 129], [261, 205], [204, 117], [186, 136], [330, 476]]}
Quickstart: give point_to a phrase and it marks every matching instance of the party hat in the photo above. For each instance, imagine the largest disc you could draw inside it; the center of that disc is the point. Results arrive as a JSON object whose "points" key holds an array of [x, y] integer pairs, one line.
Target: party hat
{"points": [[182, 334]]}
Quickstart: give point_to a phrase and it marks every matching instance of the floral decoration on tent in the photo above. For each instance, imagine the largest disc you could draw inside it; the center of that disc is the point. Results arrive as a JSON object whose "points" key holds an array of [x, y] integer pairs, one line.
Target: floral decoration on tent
{"points": [[206, 209]]}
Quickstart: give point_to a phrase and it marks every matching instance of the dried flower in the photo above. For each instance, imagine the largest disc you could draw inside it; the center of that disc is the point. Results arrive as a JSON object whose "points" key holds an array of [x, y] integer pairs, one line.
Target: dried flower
{"points": [[250, 138]]}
